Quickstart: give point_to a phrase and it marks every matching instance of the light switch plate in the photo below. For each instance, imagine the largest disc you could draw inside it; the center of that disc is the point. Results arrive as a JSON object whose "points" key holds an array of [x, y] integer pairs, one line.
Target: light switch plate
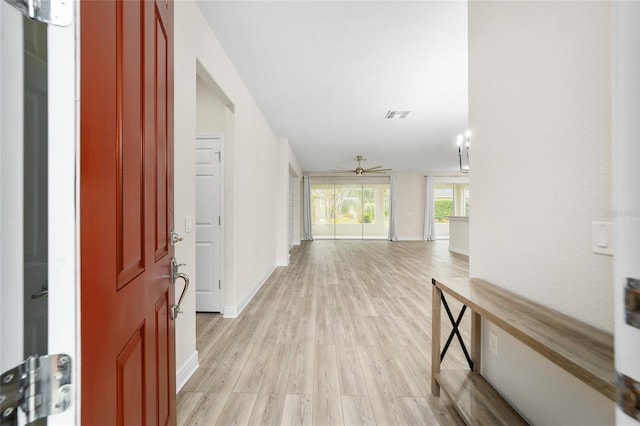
{"points": [[602, 238], [188, 224]]}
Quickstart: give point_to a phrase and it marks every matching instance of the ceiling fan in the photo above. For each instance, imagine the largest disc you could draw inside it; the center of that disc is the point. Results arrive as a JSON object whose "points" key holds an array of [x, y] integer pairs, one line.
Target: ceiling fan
{"points": [[360, 170]]}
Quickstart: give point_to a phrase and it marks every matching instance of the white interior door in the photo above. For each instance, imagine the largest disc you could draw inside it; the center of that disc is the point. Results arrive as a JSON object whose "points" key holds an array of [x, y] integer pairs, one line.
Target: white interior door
{"points": [[37, 165], [208, 224]]}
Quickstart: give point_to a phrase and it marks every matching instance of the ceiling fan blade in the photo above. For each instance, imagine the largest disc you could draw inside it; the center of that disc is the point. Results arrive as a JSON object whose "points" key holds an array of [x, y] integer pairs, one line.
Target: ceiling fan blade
{"points": [[359, 171]]}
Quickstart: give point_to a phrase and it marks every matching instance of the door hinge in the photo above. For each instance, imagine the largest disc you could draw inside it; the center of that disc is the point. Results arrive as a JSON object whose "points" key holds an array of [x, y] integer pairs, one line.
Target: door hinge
{"points": [[629, 396], [219, 285], [632, 302], [54, 12], [219, 221], [40, 386], [219, 153]]}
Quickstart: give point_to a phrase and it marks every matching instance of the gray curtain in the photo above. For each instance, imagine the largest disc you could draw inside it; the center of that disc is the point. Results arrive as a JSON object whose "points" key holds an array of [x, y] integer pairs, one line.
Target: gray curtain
{"points": [[429, 210], [306, 208], [392, 209]]}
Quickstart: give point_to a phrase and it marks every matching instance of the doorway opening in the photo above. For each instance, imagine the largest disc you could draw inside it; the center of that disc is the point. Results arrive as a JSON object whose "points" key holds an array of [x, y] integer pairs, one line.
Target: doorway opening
{"points": [[214, 122]]}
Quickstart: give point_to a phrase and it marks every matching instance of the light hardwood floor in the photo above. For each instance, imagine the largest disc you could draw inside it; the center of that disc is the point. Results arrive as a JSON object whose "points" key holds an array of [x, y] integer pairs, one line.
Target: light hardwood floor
{"points": [[340, 336]]}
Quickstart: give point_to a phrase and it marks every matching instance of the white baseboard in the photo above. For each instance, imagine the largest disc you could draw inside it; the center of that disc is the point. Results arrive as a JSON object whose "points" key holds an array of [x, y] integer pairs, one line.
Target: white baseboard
{"points": [[459, 250], [233, 311], [230, 312], [410, 239], [185, 372]]}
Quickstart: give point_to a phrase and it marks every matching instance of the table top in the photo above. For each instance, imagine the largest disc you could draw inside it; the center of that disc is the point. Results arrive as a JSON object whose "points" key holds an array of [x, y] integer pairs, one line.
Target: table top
{"points": [[582, 350]]}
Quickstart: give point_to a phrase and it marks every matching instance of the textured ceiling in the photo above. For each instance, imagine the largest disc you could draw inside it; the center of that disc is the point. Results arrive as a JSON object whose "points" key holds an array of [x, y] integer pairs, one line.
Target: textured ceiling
{"points": [[325, 73]]}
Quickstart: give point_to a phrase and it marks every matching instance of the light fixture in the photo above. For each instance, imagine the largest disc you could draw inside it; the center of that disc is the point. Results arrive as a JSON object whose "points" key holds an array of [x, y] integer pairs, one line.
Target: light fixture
{"points": [[463, 139]]}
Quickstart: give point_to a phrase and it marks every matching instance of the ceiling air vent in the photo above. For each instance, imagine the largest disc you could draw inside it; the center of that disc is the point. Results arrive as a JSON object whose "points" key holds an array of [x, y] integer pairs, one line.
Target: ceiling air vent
{"points": [[397, 114]]}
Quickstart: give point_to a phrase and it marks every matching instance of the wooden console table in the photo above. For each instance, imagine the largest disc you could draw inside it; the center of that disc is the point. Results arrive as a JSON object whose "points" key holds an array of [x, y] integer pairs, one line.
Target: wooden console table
{"points": [[580, 349]]}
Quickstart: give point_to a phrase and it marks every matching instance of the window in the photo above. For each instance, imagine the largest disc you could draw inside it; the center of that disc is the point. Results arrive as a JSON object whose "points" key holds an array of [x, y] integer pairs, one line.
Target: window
{"points": [[350, 211], [443, 201], [450, 199]]}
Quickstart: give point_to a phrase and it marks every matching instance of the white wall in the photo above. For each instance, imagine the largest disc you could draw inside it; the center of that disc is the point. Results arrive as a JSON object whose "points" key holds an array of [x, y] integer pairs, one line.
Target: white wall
{"points": [[210, 109], [540, 113], [459, 235], [410, 205], [252, 174], [296, 172], [287, 166]]}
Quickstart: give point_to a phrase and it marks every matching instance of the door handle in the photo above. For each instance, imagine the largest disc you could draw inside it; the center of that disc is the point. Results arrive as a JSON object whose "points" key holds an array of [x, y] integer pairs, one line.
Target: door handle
{"points": [[44, 291], [175, 308]]}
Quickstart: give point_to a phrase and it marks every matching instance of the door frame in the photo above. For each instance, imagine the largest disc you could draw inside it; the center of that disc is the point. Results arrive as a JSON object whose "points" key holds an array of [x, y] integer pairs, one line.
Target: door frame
{"points": [[64, 215], [222, 217], [626, 200]]}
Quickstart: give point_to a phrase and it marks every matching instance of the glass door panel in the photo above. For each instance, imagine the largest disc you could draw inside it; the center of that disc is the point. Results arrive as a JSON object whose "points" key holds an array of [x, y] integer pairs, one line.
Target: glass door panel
{"points": [[35, 226], [443, 200], [375, 211], [322, 211], [23, 192], [350, 211], [348, 216]]}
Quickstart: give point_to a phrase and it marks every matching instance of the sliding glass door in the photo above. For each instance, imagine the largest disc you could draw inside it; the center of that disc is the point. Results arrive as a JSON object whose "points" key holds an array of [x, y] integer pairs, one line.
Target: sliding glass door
{"points": [[350, 211], [322, 208], [375, 211]]}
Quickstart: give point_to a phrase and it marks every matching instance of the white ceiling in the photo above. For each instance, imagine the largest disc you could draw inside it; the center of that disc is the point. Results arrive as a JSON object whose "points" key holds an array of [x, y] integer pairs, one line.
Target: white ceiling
{"points": [[325, 73]]}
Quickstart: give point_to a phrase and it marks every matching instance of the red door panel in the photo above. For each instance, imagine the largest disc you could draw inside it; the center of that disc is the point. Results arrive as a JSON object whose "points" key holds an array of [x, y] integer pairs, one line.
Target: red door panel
{"points": [[163, 369], [131, 383], [160, 68], [130, 183], [126, 193]]}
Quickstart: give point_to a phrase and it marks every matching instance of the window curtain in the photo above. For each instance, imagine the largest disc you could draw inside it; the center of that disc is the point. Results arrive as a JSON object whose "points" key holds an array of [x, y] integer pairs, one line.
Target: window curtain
{"points": [[392, 209], [306, 218], [429, 210]]}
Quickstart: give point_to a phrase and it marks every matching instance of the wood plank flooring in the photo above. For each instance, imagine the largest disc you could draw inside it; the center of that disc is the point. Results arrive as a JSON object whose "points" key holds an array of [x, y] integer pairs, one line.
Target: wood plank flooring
{"points": [[339, 337]]}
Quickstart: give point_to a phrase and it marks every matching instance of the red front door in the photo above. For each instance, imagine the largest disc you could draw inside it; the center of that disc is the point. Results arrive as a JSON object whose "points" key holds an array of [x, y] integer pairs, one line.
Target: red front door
{"points": [[126, 212]]}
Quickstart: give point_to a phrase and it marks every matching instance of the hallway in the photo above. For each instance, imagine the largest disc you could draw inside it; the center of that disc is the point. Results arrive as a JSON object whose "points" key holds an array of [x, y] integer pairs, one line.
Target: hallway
{"points": [[340, 336]]}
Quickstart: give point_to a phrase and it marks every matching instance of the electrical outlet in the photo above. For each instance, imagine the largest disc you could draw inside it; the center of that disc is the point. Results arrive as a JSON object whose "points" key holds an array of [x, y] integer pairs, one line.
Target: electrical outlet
{"points": [[493, 343]]}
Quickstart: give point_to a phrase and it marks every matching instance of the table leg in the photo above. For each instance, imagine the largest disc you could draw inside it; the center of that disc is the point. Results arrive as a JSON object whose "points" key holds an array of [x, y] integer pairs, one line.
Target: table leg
{"points": [[476, 341], [436, 294]]}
